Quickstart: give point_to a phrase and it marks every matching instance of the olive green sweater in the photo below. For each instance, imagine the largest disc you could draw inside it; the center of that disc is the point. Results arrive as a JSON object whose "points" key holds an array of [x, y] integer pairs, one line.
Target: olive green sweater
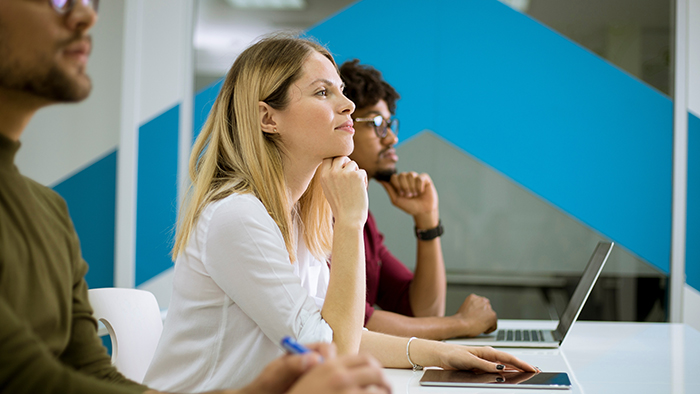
{"points": [[48, 338]]}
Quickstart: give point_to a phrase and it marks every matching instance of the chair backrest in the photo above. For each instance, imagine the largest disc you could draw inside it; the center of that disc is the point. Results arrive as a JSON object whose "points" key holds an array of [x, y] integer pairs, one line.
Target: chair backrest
{"points": [[134, 323]]}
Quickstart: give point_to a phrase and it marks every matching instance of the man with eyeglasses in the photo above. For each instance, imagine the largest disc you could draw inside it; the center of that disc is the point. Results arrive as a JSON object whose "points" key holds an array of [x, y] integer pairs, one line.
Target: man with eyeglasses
{"points": [[411, 304], [48, 338]]}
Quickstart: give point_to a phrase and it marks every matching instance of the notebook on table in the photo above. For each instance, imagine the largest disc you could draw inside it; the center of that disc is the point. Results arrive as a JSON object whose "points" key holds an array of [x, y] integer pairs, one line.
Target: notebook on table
{"points": [[549, 338]]}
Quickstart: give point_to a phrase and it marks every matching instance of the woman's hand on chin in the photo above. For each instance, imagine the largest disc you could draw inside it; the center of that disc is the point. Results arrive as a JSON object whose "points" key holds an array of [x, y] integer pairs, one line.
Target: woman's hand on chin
{"points": [[345, 187]]}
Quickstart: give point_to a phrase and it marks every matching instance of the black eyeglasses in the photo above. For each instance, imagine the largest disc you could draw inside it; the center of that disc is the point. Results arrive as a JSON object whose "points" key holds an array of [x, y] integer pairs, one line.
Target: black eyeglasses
{"points": [[65, 6], [381, 125]]}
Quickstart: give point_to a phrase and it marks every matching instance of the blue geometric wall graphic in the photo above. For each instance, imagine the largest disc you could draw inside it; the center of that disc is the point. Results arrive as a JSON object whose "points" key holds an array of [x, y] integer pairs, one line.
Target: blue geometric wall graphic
{"points": [[535, 106], [692, 242], [91, 198], [156, 201], [203, 101]]}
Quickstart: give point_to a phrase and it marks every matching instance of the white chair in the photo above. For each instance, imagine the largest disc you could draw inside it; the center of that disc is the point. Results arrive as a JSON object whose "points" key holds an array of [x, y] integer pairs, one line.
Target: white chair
{"points": [[133, 320]]}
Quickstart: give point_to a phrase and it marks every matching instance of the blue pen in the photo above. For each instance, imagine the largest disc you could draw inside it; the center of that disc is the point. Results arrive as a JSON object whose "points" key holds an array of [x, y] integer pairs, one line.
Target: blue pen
{"points": [[292, 346]]}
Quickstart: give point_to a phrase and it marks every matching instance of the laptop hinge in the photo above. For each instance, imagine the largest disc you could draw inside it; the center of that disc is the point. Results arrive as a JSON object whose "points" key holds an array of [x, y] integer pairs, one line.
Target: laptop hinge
{"points": [[557, 335]]}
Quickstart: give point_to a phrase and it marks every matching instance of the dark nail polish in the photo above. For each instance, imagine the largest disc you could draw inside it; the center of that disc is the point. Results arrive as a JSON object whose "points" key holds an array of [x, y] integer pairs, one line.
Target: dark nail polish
{"points": [[500, 367], [499, 379]]}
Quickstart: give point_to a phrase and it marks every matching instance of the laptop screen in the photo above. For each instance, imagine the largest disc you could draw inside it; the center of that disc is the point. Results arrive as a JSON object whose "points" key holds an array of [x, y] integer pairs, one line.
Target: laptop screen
{"points": [[584, 287]]}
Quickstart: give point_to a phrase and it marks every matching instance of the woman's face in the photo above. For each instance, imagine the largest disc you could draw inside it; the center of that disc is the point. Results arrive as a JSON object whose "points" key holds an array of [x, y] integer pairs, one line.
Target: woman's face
{"points": [[316, 123]]}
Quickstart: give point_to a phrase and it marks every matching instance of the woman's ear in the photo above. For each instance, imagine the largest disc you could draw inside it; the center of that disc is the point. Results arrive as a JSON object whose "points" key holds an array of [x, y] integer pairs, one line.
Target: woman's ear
{"points": [[267, 121]]}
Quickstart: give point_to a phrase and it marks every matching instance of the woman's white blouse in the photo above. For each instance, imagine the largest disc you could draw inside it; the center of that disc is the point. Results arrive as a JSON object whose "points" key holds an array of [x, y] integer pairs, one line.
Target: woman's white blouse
{"points": [[235, 296]]}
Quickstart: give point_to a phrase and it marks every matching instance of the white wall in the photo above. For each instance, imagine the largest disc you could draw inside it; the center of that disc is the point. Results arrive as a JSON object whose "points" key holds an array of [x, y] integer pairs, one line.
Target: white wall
{"points": [[694, 56], [63, 139], [158, 74], [165, 42]]}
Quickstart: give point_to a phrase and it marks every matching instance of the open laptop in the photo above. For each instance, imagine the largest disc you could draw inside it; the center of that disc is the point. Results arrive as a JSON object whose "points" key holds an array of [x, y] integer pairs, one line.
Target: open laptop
{"points": [[549, 338]]}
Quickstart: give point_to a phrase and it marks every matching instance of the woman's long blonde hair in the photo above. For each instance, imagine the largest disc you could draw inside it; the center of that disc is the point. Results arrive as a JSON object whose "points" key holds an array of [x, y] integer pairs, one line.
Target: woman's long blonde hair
{"points": [[233, 155]]}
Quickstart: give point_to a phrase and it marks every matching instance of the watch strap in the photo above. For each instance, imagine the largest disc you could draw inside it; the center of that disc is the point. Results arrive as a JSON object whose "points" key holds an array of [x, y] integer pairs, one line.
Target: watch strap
{"points": [[427, 235]]}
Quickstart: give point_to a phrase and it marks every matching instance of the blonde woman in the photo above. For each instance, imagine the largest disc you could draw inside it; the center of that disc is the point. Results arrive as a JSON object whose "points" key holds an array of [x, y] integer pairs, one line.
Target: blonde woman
{"points": [[274, 195]]}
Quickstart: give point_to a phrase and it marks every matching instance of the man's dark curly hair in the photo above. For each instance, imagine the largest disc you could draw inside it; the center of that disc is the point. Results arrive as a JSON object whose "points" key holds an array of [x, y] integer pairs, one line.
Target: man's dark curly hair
{"points": [[365, 87]]}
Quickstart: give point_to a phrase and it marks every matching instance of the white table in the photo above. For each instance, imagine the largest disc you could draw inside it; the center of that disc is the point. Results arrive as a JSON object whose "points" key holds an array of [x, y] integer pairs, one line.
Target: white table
{"points": [[601, 357]]}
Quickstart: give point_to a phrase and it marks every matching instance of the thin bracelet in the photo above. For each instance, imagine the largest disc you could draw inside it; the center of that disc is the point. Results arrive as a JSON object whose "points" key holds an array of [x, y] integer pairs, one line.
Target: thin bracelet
{"points": [[416, 367]]}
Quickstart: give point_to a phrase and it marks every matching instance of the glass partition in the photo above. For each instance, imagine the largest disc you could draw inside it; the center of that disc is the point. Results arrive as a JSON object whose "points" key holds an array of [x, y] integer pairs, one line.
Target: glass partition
{"points": [[634, 35], [501, 240]]}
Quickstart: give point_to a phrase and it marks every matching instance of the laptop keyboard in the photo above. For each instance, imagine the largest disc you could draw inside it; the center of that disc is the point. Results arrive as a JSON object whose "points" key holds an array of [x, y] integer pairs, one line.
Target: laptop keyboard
{"points": [[520, 335]]}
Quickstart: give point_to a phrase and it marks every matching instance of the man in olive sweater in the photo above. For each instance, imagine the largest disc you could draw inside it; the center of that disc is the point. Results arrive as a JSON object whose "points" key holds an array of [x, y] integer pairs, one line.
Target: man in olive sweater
{"points": [[48, 338]]}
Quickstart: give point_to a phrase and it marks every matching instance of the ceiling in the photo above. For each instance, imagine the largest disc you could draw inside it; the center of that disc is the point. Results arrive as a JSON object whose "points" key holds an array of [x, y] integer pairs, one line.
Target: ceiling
{"points": [[586, 22], [223, 31]]}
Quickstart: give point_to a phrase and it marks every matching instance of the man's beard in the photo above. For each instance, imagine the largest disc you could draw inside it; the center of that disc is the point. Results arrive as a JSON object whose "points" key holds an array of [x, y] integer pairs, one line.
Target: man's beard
{"points": [[385, 174], [53, 84], [57, 86]]}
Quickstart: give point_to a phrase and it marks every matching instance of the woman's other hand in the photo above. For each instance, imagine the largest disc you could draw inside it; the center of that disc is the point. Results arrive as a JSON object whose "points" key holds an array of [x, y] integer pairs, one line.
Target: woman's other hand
{"points": [[484, 358], [450, 356]]}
